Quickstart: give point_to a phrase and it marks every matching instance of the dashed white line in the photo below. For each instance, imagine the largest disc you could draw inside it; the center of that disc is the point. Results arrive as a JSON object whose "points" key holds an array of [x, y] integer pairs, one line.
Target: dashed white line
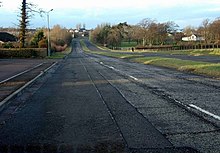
{"points": [[205, 111], [111, 67], [188, 106], [136, 79]]}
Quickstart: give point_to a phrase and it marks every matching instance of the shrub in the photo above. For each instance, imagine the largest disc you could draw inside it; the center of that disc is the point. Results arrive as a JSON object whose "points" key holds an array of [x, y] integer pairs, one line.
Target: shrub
{"points": [[8, 45], [23, 53], [42, 43]]}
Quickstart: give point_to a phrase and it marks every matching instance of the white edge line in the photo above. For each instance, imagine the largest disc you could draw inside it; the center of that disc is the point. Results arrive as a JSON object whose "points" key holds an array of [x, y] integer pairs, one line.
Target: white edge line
{"points": [[204, 111], [3, 102]]}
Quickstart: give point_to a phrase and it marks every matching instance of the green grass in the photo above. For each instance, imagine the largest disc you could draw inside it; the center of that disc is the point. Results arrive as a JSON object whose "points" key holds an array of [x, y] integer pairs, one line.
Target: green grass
{"points": [[204, 68], [84, 47], [129, 44], [195, 52], [108, 53]]}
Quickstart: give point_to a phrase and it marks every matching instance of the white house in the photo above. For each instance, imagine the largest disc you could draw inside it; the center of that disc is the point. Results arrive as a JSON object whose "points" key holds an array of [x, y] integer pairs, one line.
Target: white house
{"points": [[193, 37]]}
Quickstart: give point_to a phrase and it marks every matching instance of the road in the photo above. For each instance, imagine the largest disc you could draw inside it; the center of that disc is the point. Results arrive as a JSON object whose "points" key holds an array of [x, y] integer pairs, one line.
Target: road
{"points": [[212, 59], [11, 67], [99, 104]]}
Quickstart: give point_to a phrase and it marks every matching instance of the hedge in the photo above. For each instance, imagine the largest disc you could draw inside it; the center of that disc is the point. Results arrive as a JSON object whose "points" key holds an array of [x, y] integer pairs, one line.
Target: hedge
{"points": [[23, 53]]}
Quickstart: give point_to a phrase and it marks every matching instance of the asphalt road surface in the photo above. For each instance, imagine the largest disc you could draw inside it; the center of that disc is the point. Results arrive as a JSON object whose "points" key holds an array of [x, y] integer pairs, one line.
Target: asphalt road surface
{"points": [[11, 67], [92, 103], [212, 59]]}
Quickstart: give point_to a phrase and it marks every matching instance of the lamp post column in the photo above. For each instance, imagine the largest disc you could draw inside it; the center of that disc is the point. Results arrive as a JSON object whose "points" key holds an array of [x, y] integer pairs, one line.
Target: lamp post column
{"points": [[48, 37]]}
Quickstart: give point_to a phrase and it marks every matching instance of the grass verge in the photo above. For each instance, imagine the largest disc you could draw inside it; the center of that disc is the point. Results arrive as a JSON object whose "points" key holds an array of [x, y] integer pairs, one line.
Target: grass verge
{"points": [[193, 52], [108, 53], [60, 55], [202, 68]]}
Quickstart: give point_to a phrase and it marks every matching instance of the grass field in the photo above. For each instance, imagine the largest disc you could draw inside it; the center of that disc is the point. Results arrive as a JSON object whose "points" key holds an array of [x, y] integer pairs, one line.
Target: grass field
{"points": [[129, 44]]}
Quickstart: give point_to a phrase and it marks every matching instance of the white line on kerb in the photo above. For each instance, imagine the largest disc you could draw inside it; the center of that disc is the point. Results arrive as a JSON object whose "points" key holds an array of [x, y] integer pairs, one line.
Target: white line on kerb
{"points": [[204, 111]]}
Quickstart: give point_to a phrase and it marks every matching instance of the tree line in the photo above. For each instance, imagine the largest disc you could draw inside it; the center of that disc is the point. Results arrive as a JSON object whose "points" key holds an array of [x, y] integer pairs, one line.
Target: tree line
{"points": [[149, 32]]}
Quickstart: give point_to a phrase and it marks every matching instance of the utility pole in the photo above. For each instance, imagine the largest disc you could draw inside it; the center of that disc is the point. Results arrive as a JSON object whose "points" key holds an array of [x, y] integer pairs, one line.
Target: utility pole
{"points": [[48, 37]]}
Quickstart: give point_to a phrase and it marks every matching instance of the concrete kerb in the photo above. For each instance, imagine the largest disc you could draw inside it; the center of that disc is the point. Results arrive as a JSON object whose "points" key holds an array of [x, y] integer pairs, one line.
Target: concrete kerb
{"points": [[4, 103]]}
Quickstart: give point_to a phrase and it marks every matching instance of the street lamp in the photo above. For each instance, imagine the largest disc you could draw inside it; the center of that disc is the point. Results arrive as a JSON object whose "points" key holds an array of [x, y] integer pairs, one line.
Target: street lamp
{"points": [[48, 37]]}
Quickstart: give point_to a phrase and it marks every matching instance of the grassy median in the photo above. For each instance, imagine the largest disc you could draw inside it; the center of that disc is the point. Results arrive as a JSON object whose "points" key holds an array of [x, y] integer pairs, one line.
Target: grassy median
{"points": [[203, 68]]}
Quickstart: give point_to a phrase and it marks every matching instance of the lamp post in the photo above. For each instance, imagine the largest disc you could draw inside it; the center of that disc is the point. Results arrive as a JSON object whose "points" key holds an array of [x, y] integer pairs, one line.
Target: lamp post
{"points": [[48, 37]]}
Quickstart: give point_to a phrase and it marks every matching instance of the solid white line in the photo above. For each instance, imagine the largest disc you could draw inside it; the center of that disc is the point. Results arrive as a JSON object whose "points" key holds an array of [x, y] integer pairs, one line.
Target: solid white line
{"points": [[204, 111]]}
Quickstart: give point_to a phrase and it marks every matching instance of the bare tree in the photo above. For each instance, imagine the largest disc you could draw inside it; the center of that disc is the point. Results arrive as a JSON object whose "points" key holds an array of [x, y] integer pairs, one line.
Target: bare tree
{"points": [[214, 29], [114, 37], [204, 30], [189, 30], [60, 35], [145, 25], [205, 25]]}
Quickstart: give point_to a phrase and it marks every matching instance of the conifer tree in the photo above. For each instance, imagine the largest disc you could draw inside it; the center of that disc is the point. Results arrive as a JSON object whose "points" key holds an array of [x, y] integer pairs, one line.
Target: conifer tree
{"points": [[23, 24]]}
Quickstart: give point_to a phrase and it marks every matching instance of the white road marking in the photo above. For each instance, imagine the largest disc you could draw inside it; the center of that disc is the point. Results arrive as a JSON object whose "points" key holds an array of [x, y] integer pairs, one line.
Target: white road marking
{"points": [[136, 79], [205, 111], [111, 67]]}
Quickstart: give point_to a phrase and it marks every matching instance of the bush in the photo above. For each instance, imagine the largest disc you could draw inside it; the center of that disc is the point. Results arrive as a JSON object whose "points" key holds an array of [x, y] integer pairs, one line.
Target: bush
{"points": [[58, 48], [23, 53], [7, 45], [60, 36], [42, 43]]}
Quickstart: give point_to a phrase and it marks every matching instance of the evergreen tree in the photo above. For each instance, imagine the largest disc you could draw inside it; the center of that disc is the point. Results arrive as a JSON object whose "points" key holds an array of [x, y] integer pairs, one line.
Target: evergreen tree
{"points": [[23, 24]]}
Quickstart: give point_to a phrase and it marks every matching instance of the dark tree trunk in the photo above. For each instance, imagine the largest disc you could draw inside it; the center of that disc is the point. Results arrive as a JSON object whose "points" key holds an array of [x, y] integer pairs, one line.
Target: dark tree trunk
{"points": [[23, 24]]}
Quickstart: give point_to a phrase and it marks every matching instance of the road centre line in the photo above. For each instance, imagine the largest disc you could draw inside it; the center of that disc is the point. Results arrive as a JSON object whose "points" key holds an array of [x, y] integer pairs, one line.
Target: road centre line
{"points": [[188, 107], [111, 67], [136, 79], [205, 111]]}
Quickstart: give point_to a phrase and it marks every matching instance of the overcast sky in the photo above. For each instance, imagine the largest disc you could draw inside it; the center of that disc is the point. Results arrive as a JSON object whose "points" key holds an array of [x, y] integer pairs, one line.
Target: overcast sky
{"points": [[68, 13]]}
